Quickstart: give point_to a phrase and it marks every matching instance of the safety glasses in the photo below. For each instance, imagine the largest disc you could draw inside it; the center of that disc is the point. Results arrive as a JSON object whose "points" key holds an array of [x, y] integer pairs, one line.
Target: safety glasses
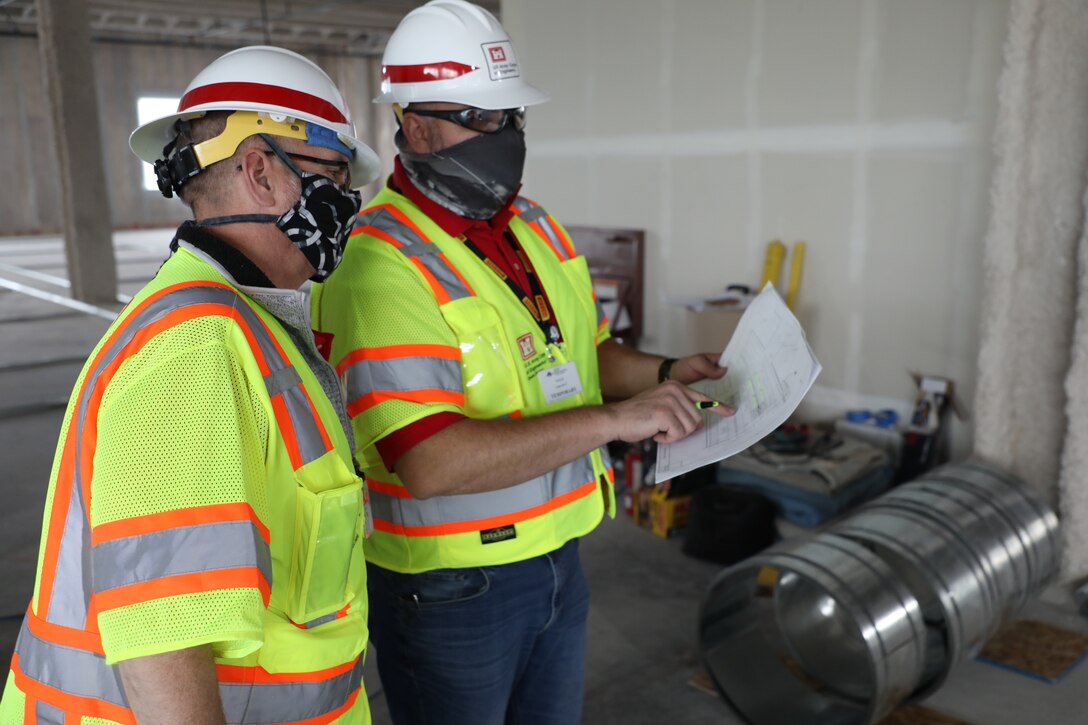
{"points": [[482, 120], [338, 171]]}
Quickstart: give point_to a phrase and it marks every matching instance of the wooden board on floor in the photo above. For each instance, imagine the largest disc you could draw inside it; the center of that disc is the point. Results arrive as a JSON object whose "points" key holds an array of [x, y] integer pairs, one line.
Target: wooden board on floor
{"points": [[1036, 649]]}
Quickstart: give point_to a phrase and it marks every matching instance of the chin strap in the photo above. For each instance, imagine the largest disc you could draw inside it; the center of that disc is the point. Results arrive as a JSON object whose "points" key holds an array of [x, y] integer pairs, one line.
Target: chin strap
{"points": [[216, 221]]}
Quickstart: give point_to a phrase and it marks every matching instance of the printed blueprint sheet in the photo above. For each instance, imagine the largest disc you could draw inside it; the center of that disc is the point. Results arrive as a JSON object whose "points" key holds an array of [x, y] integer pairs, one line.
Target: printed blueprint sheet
{"points": [[771, 367]]}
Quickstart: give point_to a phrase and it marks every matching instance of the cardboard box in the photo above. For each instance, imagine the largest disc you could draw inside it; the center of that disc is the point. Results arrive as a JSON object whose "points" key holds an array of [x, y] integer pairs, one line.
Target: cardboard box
{"points": [[667, 514], [709, 330]]}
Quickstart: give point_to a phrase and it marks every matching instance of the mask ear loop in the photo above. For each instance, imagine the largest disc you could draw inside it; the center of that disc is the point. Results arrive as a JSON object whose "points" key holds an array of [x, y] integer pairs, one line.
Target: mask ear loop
{"points": [[282, 155], [260, 218]]}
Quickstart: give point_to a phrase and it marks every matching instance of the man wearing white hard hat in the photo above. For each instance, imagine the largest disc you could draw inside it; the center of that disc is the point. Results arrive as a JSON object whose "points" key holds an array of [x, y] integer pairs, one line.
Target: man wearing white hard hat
{"points": [[474, 360], [201, 558]]}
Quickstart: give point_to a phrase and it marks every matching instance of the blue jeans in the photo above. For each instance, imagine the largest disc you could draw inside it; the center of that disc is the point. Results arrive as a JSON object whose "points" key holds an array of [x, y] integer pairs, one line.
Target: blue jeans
{"points": [[484, 646]]}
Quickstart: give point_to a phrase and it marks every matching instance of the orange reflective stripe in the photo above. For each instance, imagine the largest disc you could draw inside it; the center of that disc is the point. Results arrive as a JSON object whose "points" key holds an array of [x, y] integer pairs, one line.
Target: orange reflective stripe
{"points": [[67, 636], [245, 577], [211, 514], [464, 527], [30, 713], [389, 489], [62, 495], [399, 216], [290, 440], [535, 226], [257, 675], [427, 395], [317, 419], [564, 239], [71, 704], [439, 291], [392, 352], [375, 232]]}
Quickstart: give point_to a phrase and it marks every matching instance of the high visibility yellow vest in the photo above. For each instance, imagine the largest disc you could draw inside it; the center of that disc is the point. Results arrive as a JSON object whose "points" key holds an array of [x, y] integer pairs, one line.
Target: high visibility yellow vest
{"points": [[422, 325], [203, 492]]}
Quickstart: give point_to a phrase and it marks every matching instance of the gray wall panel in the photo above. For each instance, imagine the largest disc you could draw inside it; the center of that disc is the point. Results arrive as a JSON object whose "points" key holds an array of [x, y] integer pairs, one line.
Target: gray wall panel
{"points": [[124, 73]]}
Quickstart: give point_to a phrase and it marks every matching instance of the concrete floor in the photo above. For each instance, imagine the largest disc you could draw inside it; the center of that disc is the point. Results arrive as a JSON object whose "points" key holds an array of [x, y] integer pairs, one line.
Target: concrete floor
{"points": [[645, 592]]}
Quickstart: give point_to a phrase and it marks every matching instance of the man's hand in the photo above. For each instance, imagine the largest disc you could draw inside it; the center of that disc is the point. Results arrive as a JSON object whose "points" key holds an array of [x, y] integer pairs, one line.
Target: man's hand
{"points": [[666, 413], [692, 368]]}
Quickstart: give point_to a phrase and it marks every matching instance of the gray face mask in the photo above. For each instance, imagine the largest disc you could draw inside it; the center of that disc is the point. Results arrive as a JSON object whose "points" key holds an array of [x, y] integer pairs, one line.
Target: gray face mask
{"points": [[474, 178]]}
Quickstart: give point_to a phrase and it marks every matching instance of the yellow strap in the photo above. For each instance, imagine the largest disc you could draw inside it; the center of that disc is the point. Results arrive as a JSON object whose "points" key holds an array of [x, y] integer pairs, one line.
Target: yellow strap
{"points": [[240, 126]]}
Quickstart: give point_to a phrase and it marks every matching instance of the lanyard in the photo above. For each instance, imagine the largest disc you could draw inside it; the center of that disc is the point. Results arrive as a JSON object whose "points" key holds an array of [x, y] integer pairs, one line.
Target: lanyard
{"points": [[534, 300]]}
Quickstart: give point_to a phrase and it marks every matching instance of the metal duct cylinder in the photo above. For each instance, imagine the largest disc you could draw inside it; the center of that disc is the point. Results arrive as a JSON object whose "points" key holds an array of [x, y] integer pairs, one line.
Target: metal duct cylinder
{"points": [[1035, 523], [813, 631], [946, 574]]}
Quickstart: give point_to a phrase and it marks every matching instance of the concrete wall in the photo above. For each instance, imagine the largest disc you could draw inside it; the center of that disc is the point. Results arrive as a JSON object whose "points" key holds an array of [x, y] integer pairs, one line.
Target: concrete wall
{"points": [[859, 126], [123, 73]]}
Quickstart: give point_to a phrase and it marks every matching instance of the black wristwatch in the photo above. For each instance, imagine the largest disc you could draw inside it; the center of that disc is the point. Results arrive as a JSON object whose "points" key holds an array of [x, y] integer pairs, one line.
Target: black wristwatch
{"points": [[665, 369]]}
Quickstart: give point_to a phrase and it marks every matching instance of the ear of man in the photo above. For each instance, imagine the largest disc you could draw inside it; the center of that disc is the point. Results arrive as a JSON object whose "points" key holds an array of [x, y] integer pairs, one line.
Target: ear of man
{"points": [[418, 132], [264, 185]]}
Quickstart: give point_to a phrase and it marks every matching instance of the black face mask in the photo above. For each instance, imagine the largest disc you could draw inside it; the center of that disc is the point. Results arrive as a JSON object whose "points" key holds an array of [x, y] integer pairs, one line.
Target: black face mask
{"points": [[474, 178], [319, 222]]}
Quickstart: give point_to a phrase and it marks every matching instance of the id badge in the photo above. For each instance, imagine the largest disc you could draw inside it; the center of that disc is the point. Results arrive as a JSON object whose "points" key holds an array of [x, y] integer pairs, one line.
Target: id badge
{"points": [[560, 382]]}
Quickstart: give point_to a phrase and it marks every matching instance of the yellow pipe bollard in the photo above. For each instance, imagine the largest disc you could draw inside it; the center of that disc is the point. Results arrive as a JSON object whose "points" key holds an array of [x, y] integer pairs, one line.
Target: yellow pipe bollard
{"points": [[795, 273], [772, 264]]}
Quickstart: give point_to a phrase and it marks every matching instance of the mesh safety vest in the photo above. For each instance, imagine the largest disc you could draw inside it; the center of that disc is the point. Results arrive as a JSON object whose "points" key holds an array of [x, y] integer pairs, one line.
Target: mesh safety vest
{"points": [[203, 492], [422, 325]]}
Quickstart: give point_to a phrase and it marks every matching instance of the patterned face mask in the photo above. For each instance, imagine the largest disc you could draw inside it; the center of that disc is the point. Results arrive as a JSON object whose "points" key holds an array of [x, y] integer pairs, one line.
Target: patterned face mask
{"points": [[318, 223]]}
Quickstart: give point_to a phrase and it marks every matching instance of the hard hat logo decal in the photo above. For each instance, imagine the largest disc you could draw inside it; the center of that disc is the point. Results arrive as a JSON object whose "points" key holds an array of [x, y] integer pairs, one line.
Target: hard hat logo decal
{"points": [[501, 61]]}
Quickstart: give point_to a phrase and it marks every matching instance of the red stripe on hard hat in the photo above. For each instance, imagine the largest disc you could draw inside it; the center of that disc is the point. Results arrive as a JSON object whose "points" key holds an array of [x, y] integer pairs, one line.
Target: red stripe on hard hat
{"points": [[425, 72], [262, 93]]}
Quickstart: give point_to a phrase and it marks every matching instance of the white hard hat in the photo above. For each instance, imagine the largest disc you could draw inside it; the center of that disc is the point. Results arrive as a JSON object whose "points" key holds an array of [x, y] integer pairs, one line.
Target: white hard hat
{"points": [[270, 81], [453, 51]]}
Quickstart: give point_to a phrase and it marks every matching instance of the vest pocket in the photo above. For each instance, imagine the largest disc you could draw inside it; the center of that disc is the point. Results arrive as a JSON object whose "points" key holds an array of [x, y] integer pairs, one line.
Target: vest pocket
{"points": [[327, 529], [487, 367]]}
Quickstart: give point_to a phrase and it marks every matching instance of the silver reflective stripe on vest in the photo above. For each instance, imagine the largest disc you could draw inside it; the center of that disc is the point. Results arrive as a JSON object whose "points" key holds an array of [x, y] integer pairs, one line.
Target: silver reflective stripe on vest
{"points": [[182, 550], [71, 588], [402, 374], [319, 621], [427, 253], [70, 670], [412, 512], [531, 213], [86, 674], [282, 380], [288, 702], [49, 715]]}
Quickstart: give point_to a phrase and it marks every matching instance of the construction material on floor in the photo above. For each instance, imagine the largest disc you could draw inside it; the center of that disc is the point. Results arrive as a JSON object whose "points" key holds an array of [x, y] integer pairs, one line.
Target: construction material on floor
{"points": [[1036, 649], [845, 625]]}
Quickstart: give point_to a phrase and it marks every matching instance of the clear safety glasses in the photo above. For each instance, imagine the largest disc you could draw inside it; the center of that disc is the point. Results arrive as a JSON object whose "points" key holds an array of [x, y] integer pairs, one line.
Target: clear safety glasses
{"points": [[482, 120]]}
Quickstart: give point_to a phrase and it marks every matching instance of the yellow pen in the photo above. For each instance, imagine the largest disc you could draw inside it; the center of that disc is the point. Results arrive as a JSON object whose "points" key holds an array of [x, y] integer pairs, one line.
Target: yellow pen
{"points": [[704, 404]]}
